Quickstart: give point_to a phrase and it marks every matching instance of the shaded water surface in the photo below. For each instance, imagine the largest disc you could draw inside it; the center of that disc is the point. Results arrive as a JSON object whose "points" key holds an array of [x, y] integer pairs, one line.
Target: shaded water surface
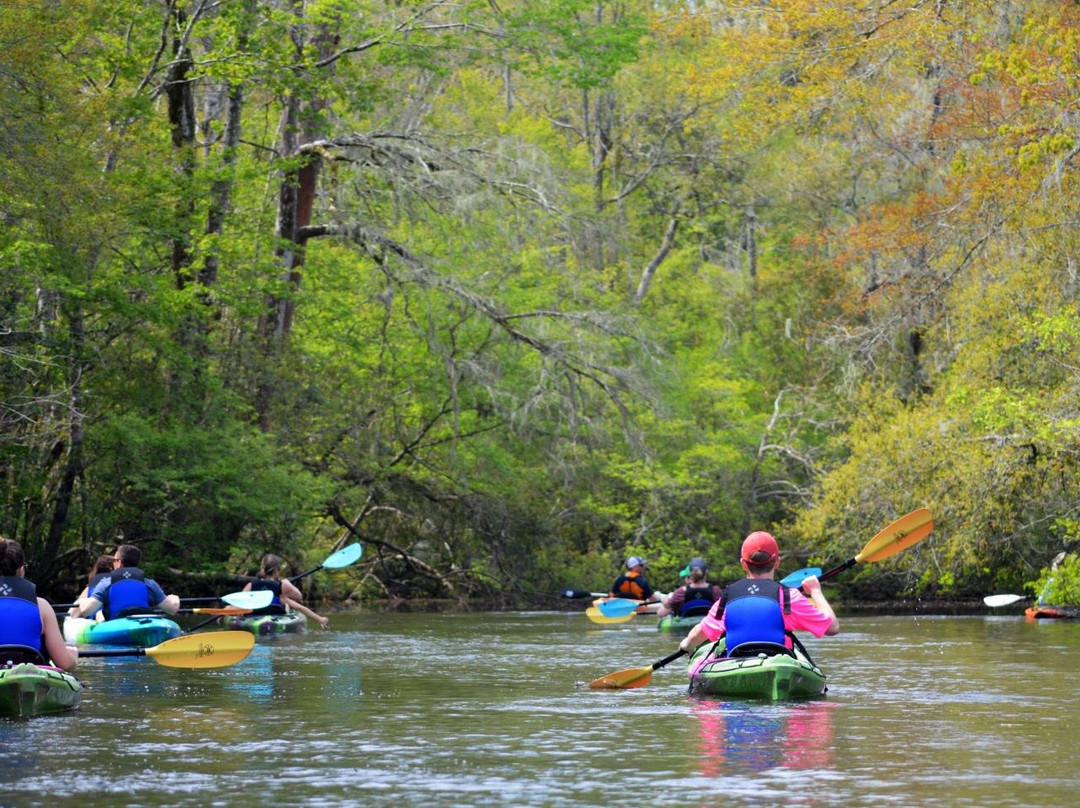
{"points": [[492, 709]]}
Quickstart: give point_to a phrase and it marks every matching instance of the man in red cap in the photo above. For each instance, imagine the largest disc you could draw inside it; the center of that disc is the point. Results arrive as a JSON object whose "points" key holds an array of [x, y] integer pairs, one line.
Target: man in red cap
{"points": [[758, 609]]}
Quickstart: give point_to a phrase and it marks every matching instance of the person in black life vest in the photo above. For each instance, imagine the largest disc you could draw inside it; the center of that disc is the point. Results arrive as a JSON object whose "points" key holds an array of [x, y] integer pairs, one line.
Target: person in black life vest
{"points": [[758, 609], [102, 567], [286, 595], [126, 590], [632, 584], [25, 619], [694, 598]]}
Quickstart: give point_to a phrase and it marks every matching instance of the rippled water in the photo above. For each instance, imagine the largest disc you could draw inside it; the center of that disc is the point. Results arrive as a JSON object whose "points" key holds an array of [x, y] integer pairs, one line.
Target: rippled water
{"points": [[492, 709]]}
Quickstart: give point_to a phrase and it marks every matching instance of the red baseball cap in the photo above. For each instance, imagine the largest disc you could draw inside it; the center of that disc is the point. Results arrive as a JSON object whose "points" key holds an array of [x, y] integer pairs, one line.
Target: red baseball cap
{"points": [[760, 548]]}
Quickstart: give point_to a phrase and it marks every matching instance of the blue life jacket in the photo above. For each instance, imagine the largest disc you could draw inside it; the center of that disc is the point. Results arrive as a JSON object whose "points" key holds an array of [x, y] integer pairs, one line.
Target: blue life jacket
{"points": [[752, 612], [127, 594], [20, 618], [698, 601], [276, 605]]}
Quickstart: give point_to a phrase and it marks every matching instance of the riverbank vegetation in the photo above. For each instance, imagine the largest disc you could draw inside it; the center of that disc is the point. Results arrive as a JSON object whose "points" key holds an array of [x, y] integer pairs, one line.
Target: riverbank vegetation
{"points": [[509, 290]]}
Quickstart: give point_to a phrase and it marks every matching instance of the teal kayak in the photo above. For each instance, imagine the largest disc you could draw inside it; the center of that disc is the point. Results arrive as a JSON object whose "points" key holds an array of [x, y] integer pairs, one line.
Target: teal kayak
{"points": [[265, 624], [761, 671], [141, 631], [28, 690], [674, 624]]}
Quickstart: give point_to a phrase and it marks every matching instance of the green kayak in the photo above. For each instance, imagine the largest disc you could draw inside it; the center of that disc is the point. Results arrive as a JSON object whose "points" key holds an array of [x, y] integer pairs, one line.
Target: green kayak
{"points": [[27, 690], [264, 624], [760, 671], [675, 624]]}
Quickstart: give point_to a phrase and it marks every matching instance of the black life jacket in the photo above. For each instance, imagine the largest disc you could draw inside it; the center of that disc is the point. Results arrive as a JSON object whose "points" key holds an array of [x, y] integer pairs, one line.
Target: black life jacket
{"points": [[698, 600], [276, 606]]}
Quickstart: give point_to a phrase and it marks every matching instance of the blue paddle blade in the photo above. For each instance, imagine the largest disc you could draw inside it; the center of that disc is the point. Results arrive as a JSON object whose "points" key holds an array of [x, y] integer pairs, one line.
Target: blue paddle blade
{"points": [[795, 579], [345, 556], [618, 607], [259, 599]]}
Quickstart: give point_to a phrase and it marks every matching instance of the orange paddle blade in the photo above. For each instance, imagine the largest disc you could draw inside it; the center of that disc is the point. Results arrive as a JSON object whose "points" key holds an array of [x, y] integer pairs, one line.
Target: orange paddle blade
{"points": [[211, 649], [631, 677], [901, 534]]}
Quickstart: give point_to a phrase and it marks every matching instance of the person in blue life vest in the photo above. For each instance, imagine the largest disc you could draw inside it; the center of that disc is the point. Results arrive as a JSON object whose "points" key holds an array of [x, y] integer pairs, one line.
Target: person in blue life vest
{"points": [[632, 584], [695, 597], [102, 567], [286, 595], [758, 609], [26, 619], [126, 590]]}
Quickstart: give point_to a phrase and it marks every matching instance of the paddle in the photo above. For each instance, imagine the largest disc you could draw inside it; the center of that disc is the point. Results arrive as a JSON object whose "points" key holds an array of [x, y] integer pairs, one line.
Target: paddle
{"points": [[241, 600], [597, 616], [344, 557], [245, 601], [223, 611], [901, 534], [212, 649], [581, 594], [633, 677], [1002, 600]]}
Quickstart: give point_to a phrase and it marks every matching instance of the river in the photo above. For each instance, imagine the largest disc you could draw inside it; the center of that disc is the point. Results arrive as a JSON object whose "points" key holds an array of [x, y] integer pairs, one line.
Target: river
{"points": [[493, 709]]}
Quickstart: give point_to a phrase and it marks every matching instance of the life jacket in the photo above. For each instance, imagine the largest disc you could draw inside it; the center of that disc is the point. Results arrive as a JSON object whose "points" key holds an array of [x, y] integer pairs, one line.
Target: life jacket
{"points": [[753, 612], [276, 606], [20, 618], [127, 594], [698, 601], [629, 586]]}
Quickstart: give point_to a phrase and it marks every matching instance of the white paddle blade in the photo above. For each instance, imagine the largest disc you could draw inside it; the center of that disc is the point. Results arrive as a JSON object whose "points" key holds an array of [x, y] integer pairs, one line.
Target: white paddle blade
{"points": [[1001, 600], [259, 599]]}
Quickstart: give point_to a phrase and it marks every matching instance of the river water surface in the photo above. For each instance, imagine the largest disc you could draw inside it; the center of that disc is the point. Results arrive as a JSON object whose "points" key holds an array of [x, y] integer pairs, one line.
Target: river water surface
{"points": [[493, 710]]}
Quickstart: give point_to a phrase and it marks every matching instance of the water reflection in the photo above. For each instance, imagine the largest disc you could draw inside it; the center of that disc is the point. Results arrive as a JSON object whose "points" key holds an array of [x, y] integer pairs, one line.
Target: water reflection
{"points": [[747, 738]]}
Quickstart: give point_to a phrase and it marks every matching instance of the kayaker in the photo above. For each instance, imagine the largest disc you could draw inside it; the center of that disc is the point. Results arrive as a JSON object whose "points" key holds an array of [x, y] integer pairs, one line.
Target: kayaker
{"points": [[26, 619], [632, 584], [695, 597], [102, 567], [758, 609], [286, 594], [126, 590]]}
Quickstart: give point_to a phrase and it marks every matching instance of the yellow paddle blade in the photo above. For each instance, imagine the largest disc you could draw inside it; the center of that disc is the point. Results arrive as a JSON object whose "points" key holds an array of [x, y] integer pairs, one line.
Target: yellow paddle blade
{"points": [[900, 535], [211, 649], [598, 616], [631, 677]]}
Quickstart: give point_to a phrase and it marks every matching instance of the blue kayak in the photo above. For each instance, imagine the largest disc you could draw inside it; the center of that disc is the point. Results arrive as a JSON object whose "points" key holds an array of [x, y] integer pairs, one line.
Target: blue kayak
{"points": [[140, 631]]}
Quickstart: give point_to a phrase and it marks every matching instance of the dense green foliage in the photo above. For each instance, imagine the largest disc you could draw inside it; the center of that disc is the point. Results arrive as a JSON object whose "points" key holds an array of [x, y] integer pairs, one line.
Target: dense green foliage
{"points": [[511, 290]]}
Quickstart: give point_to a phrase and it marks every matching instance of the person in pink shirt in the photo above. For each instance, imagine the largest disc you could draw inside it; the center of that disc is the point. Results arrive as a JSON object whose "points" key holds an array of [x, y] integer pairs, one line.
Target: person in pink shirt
{"points": [[758, 609]]}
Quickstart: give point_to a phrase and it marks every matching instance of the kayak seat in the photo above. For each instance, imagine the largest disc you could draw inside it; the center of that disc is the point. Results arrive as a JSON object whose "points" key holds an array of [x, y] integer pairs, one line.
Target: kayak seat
{"points": [[752, 649], [11, 655]]}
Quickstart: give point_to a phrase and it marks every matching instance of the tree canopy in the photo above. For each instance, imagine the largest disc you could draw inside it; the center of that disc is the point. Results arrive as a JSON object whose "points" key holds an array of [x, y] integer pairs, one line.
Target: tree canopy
{"points": [[512, 290]]}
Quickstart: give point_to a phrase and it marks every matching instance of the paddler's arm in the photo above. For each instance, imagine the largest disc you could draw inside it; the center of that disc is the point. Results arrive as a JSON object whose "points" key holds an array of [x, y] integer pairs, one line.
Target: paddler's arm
{"points": [[811, 587], [300, 607], [692, 640], [85, 607], [63, 656]]}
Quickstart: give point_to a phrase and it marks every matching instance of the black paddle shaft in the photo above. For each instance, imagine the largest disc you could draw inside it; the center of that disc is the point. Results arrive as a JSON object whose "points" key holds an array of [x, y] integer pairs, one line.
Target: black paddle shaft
{"points": [[851, 562]]}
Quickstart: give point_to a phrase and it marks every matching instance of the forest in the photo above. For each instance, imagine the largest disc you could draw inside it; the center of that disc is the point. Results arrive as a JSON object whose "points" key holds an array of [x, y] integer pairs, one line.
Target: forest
{"points": [[510, 290]]}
